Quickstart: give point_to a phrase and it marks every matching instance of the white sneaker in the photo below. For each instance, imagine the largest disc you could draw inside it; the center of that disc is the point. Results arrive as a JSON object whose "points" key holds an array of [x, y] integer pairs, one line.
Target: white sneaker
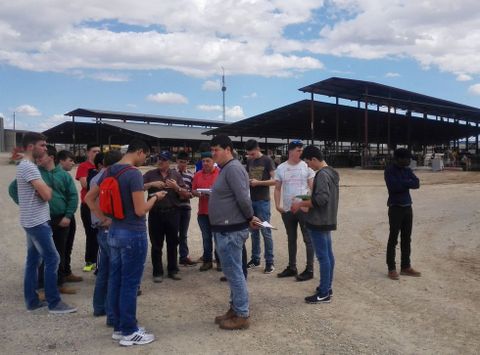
{"points": [[137, 338], [117, 335]]}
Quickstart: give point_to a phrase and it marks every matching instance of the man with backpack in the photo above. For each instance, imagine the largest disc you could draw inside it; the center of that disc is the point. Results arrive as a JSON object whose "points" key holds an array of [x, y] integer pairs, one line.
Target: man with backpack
{"points": [[122, 183]]}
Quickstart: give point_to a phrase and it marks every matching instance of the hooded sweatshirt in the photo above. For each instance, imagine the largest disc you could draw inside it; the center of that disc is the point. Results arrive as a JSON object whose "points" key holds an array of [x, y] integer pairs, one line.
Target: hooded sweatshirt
{"points": [[323, 215]]}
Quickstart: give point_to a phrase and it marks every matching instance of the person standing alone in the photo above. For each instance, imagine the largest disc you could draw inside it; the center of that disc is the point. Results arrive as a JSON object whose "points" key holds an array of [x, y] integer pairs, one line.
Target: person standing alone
{"points": [[399, 179]]}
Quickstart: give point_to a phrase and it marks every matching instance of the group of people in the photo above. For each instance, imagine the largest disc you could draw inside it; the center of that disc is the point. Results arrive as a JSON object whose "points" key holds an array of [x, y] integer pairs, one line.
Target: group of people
{"points": [[233, 203]]}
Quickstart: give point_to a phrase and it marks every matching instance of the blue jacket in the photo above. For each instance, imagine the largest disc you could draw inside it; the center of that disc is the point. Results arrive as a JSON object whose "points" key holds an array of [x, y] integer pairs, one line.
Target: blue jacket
{"points": [[399, 181]]}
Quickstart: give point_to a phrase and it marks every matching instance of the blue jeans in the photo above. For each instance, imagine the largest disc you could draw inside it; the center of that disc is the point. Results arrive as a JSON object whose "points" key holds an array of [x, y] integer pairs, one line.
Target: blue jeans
{"points": [[322, 243], [261, 209], [40, 247], [128, 251], [207, 237], [185, 214], [100, 304], [229, 248]]}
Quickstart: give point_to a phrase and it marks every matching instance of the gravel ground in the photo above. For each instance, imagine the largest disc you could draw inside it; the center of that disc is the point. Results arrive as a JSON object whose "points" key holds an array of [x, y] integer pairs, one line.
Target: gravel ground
{"points": [[438, 313]]}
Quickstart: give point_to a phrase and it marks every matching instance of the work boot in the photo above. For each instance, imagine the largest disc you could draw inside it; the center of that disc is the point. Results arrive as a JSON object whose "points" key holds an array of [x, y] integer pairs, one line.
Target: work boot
{"points": [[393, 275], [206, 266], [230, 313], [73, 278], [410, 272], [67, 290], [234, 323]]}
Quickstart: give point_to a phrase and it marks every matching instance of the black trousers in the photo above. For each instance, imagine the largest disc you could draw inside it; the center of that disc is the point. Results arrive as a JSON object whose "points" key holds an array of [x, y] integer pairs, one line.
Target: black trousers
{"points": [[163, 226], [400, 219], [69, 246], [59, 236], [291, 222], [184, 222], [91, 244]]}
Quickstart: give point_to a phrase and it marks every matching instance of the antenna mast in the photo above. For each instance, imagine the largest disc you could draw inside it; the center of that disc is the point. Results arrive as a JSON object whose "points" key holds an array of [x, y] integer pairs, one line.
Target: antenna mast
{"points": [[224, 88]]}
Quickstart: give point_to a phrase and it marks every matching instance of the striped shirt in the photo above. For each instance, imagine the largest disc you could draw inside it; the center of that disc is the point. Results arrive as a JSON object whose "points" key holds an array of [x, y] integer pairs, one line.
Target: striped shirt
{"points": [[187, 177], [33, 210]]}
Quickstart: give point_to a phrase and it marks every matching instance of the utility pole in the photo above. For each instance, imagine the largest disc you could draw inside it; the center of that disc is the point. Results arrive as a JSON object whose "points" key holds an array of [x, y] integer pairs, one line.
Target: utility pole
{"points": [[224, 88], [14, 132]]}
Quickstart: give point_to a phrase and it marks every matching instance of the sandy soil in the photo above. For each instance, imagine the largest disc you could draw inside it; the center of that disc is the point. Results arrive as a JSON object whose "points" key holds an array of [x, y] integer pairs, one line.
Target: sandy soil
{"points": [[370, 314]]}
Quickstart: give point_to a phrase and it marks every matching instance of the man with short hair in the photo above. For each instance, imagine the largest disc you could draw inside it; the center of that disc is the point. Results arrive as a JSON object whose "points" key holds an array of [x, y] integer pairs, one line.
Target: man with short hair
{"points": [[66, 160], [164, 218], [127, 242], [261, 172], [91, 245], [230, 213], [185, 210], [294, 178], [202, 182], [33, 197], [399, 179], [321, 219]]}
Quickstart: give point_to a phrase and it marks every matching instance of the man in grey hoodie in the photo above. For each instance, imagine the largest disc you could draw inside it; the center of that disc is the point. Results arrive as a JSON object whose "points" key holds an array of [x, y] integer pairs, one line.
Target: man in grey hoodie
{"points": [[321, 219], [230, 213]]}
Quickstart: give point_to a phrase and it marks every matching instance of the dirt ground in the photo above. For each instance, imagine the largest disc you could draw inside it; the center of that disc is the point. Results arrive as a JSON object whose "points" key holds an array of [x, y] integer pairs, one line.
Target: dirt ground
{"points": [[438, 313]]}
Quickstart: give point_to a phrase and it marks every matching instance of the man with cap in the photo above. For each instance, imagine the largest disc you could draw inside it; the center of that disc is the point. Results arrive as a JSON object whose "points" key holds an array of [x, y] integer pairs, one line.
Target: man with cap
{"points": [[164, 217], [399, 179], [294, 178]]}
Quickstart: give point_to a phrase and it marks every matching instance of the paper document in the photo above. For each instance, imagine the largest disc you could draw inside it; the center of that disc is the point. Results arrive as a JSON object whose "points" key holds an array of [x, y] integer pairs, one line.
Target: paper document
{"points": [[265, 224], [205, 191]]}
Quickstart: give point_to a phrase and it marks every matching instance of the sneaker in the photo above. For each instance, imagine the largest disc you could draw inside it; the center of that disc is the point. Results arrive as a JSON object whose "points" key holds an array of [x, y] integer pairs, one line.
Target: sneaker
{"points": [[140, 337], [269, 268], [316, 298], [62, 308], [117, 335], [288, 272], [89, 267], [223, 279], [330, 292], [188, 262], [305, 276], [158, 279], [252, 264], [393, 275], [206, 266], [174, 276], [410, 272], [73, 278], [41, 304]]}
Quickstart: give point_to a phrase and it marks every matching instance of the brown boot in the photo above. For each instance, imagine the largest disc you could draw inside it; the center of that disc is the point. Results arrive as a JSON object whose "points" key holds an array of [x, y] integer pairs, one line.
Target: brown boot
{"points": [[235, 323], [73, 278], [410, 272], [393, 275], [230, 313], [67, 290]]}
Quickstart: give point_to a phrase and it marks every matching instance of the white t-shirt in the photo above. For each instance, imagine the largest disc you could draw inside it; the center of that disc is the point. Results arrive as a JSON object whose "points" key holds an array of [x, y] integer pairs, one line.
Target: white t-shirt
{"points": [[33, 210], [294, 179]]}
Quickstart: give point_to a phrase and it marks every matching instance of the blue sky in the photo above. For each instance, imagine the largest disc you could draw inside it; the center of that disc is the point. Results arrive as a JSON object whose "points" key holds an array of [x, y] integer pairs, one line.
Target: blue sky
{"points": [[160, 58]]}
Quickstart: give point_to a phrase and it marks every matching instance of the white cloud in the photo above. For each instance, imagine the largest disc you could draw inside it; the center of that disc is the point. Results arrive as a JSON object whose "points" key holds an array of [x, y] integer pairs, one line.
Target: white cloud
{"points": [[474, 89], [28, 110], [110, 77], [235, 112], [212, 85], [464, 77], [209, 108], [167, 98], [52, 121], [392, 75], [253, 95]]}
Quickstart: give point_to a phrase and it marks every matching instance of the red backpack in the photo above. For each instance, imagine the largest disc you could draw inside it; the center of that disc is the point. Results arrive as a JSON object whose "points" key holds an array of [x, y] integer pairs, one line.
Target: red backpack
{"points": [[110, 199]]}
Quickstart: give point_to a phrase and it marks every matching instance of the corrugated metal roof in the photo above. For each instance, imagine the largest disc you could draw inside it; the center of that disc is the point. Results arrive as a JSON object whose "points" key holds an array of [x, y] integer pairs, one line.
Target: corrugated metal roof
{"points": [[162, 131]]}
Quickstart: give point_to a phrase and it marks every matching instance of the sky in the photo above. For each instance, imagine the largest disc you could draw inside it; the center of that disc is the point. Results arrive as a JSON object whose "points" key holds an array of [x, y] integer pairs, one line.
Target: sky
{"points": [[167, 57]]}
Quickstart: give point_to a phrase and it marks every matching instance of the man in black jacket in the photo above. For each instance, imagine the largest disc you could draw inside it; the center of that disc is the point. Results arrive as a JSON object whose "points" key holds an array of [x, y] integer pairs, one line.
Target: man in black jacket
{"points": [[400, 179]]}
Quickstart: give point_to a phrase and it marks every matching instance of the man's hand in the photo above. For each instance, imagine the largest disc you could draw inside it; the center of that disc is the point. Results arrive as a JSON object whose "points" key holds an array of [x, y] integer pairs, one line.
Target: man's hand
{"points": [[172, 184], [106, 222], [254, 223], [296, 205], [254, 182], [280, 209], [158, 184], [161, 195], [64, 222]]}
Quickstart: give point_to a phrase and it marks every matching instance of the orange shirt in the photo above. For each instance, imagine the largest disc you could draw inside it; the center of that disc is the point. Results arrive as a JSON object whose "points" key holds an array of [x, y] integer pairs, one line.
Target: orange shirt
{"points": [[202, 180]]}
